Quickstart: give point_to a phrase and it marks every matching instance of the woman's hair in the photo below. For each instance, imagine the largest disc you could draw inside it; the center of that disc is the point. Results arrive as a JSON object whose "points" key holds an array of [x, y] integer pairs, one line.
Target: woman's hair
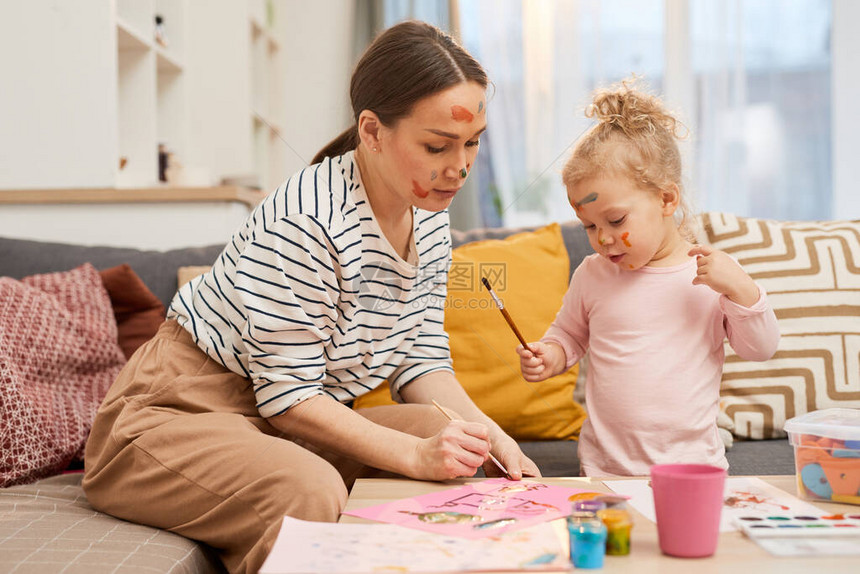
{"points": [[635, 137], [405, 63]]}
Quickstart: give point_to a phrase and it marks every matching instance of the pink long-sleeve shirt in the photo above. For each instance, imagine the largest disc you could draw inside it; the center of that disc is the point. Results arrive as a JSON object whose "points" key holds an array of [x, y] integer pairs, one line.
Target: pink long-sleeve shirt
{"points": [[655, 363]]}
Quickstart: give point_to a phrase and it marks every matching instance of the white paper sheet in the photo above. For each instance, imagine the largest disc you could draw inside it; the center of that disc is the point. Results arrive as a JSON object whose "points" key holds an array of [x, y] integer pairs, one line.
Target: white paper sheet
{"points": [[303, 547], [743, 496]]}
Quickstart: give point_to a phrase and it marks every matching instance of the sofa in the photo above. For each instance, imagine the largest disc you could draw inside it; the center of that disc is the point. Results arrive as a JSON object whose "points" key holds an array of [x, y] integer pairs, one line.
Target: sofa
{"points": [[48, 523]]}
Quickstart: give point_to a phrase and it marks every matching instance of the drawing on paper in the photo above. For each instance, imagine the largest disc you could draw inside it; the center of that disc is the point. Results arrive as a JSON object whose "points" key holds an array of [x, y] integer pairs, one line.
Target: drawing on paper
{"points": [[477, 510]]}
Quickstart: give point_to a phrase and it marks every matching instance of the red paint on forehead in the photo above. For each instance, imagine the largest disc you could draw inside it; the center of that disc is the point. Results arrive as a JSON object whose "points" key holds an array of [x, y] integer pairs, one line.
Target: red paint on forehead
{"points": [[418, 190], [461, 114]]}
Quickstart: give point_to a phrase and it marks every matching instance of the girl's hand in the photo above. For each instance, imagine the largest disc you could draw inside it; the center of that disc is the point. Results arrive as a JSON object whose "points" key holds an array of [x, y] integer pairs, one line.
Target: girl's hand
{"points": [[547, 361], [723, 274], [457, 450]]}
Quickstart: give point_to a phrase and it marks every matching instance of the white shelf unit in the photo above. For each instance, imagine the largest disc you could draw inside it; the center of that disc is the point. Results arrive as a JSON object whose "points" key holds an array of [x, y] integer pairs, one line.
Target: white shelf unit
{"points": [[150, 91], [104, 91], [267, 109]]}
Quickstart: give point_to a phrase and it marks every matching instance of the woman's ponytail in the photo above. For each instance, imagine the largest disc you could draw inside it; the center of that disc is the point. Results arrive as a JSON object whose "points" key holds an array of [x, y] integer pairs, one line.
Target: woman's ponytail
{"points": [[346, 141]]}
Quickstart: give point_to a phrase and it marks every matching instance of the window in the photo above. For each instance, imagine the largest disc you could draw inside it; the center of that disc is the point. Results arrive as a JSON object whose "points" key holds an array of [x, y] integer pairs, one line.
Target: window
{"points": [[751, 80]]}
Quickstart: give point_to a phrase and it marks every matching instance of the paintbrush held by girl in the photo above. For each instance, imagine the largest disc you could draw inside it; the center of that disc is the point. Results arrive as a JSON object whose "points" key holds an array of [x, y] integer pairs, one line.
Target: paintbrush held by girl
{"points": [[652, 307]]}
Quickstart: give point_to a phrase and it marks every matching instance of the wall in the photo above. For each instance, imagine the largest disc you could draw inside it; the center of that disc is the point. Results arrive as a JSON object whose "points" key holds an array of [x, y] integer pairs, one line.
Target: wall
{"points": [[46, 70], [318, 43], [846, 94]]}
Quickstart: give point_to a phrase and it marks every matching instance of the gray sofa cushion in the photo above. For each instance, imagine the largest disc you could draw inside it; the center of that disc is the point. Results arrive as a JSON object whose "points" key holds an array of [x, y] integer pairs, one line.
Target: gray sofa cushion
{"points": [[20, 258], [746, 457]]}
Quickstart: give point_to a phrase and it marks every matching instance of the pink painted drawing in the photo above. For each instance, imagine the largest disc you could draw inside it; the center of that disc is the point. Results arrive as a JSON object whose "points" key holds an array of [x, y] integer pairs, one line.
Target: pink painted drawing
{"points": [[477, 510]]}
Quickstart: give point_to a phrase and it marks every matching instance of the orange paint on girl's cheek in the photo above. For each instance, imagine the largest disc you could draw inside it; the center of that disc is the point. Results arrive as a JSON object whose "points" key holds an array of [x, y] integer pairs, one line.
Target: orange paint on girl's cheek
{"points": [[630, 266], [624, 237], [418, 190], [461, 114]]}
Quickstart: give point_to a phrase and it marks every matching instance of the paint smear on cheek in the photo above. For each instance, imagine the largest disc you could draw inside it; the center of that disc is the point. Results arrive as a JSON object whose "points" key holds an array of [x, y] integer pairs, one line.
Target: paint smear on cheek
{"points": [[418, 190], [624, 237], [480, 106], [461, 114], [433, 175]]}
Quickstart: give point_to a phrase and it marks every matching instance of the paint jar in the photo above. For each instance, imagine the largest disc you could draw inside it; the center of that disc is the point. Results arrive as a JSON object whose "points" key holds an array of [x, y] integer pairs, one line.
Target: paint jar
{"points": [[618, 525], [587, 535]]}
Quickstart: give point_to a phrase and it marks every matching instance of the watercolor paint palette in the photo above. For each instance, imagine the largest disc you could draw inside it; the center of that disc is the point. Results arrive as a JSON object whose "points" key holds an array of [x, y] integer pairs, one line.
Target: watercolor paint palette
{"points": [[799, 526]]}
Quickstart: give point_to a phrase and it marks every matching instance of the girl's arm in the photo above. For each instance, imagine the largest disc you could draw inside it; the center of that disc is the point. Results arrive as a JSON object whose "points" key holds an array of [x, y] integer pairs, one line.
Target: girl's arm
{"points": [[751, 324], [720, 272], [446, 390], [753, 332]]}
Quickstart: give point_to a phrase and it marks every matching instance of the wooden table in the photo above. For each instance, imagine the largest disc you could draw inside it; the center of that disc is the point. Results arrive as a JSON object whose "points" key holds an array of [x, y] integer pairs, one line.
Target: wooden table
{"points": [[735, 554]]}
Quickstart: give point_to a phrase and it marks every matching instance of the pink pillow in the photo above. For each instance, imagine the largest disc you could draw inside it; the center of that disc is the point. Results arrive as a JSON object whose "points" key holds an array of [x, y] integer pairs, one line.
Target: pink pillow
{"points": [[58, 357]]}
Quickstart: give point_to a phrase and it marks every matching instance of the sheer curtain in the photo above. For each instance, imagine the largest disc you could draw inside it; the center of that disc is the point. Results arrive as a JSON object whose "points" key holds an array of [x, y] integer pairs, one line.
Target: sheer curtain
{"points": [[544, 58], [751, 79], [753, 87], [762, 77]]}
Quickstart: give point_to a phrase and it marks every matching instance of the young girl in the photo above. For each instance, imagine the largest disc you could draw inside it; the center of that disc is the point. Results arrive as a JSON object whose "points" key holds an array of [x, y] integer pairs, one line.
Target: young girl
{"points": [[652, 307], [236, 413]]}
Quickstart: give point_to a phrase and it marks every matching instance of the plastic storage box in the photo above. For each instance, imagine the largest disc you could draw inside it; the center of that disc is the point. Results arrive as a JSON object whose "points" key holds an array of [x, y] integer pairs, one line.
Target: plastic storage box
{"points": [[827, 454]]}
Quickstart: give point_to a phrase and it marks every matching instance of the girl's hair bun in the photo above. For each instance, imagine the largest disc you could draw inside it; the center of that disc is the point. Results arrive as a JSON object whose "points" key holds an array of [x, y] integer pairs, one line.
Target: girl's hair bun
{"points": [[632, 110]]}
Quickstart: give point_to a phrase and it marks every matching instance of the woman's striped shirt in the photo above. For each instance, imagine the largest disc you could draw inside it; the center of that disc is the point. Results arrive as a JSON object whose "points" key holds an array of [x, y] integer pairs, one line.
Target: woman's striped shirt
{"points": [[309, 298]]}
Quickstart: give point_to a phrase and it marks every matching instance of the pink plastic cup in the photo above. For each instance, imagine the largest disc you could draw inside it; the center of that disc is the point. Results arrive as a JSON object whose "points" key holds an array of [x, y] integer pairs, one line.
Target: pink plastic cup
{"points": [[688, 499]]}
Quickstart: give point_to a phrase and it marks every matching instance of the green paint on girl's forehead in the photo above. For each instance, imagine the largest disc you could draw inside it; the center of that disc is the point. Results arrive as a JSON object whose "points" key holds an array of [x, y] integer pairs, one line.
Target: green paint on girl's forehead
{"points": [[587, 199]]}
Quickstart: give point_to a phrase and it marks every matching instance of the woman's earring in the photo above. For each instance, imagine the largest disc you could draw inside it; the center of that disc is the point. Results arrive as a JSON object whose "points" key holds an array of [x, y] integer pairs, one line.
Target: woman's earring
{"points": [[463, 173], [376, 149]]}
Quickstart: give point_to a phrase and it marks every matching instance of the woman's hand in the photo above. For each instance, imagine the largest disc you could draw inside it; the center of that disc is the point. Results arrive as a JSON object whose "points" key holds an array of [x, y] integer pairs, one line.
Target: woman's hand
{"points": [[458, 450], [508, 452], [724, 275], [547, 361]]}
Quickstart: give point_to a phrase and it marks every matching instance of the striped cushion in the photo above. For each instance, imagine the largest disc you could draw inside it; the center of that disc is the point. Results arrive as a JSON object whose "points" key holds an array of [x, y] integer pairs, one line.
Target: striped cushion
{"points": [[811, 272]]}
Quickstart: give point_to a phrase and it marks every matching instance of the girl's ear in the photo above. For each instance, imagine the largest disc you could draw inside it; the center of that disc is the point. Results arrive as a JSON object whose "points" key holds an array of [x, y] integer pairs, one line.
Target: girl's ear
{"points": [[671, 198], [369, 130]]}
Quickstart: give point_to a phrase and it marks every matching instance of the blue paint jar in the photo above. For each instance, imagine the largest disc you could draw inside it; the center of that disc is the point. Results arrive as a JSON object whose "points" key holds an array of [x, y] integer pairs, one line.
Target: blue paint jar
{"points": [[587, 537]]}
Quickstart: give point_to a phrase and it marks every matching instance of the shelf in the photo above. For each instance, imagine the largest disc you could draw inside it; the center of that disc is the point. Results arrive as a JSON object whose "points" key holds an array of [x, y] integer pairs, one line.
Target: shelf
{"points": [[163, 194], [128, 38], [262, 121], [166, 61], [192, 91]]}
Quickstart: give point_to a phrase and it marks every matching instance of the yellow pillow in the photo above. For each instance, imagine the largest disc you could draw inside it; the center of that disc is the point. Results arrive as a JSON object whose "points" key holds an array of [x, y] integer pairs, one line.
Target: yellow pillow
{"points": [[187, 273], [529, 272]]}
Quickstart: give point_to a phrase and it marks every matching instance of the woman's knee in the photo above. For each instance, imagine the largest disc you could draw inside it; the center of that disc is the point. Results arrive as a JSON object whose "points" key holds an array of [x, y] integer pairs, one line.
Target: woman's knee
{"points": [[317, 494]]}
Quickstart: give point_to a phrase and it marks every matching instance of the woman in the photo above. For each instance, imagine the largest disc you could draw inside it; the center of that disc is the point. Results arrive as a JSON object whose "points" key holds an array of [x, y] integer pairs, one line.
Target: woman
{"points": [[236, 413]]}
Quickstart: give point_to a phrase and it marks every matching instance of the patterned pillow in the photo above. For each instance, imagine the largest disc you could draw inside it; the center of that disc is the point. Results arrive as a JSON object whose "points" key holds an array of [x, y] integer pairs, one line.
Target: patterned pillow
{"points": [[58, 357], [811, 272]]}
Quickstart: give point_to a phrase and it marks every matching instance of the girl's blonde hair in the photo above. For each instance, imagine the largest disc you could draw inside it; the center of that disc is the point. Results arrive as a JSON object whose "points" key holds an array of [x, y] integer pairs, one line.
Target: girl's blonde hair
{"points": [[635, 137]]}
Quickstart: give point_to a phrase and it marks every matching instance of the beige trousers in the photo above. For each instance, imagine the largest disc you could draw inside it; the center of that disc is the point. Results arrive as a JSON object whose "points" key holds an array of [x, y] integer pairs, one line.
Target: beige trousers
{"points": [[178, 444]]}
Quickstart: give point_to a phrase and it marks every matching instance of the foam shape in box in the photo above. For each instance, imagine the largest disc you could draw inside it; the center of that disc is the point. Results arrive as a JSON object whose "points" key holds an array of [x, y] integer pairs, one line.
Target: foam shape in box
{"points": [[827, 454]]}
